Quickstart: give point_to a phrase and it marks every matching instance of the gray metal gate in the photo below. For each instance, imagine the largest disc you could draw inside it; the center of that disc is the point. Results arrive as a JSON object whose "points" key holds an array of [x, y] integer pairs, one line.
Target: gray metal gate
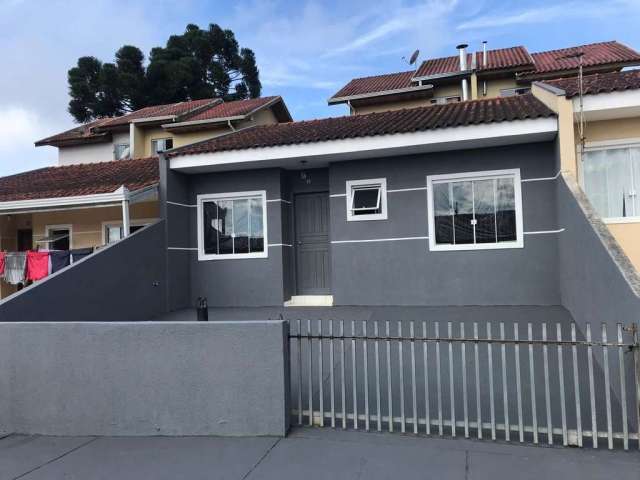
{"points": [[521, 383]]}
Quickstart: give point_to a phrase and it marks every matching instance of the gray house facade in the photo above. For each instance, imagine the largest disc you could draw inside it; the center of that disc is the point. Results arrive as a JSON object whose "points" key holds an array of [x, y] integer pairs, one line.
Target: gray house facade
{"points": [[445, 205]]}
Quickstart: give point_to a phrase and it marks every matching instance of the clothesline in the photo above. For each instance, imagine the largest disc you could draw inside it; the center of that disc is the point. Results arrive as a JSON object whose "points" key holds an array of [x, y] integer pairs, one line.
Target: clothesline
{"points": [[21, 267]]}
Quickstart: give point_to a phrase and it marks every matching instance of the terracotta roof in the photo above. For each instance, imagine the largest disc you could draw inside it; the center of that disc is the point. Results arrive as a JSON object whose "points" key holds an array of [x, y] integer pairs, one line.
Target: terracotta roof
{"points": [[230, 109], [598, 83], [384, 123], [82, 179], [594, 54], [82, 133], [499, 59], [174, 109], [376, 83]]}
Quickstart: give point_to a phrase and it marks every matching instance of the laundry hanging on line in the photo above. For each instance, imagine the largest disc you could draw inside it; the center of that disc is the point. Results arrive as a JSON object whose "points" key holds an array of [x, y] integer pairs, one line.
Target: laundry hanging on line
{"points": [[37, 265], [14, 267], [59, 259]]}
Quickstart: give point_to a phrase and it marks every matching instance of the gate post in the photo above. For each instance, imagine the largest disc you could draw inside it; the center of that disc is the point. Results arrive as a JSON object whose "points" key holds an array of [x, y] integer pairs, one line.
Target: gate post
{"points": [[636, 362]]}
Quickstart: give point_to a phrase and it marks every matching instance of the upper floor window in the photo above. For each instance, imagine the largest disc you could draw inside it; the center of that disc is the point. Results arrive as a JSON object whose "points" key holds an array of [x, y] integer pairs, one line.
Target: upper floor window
{"points": [[160, 145], [121, 151], [512, 92], [232, 225], [445, 100], [367, 199], [480, 210], [611, 178]]}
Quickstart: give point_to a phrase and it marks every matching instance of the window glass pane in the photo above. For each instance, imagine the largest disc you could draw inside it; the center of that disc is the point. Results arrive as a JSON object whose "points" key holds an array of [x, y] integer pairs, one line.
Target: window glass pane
{"points": [[506, 210], [256, 226], [114, 233], [608, 182], [62, 239], [484, 192], [366, 201], [443, 212], [211, 226], [241, 225], [635, 164], [225, 223], [463, 212], [168, 143]]}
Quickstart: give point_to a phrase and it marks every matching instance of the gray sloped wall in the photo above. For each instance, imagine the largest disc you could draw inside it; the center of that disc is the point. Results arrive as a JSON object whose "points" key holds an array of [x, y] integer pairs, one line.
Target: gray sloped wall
{"points": [[124, 281]]}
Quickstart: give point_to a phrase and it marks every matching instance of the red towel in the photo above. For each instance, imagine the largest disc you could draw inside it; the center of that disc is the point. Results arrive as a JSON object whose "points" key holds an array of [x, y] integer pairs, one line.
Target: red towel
{"points": [[37, 265], [2, 254]]}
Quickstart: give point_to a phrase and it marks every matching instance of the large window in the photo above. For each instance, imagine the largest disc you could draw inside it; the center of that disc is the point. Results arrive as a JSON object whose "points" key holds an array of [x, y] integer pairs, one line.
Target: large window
{"points": [[479, 210], [161, 144], [232, 225], [611, 181], [114, 231], [367, 199]]}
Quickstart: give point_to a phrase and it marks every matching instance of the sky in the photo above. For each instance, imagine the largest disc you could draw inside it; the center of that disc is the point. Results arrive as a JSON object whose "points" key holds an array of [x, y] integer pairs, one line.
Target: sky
{"points": [[305, 50]]}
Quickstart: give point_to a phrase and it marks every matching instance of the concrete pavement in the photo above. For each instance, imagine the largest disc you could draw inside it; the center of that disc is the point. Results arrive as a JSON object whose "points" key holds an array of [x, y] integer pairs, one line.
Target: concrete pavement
{"points": [[307, 453]]}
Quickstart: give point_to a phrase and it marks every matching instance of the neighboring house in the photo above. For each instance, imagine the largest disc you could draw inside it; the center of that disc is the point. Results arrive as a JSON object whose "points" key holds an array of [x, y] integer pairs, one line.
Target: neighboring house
{"points": [[112, 164], [607, 159], [484, 74], [147, 131], [440, 205]]}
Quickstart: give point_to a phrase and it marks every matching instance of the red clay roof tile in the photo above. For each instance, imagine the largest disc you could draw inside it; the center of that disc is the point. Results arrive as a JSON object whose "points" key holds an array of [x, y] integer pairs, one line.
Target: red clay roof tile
{"points": [[384, 123], [82, 179], [598, 83]]}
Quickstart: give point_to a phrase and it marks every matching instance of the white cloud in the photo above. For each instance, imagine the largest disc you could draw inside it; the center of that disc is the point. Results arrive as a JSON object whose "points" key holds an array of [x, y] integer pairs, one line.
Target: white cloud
{"points": [[549, 13]]}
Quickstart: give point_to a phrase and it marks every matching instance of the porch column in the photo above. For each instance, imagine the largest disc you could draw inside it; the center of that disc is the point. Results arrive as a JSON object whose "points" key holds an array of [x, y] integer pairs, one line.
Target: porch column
{"points": [[125, 218]]}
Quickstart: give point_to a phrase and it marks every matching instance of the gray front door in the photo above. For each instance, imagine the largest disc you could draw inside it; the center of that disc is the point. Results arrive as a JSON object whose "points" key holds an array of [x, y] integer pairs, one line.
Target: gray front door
{"points": [[312, 243]]}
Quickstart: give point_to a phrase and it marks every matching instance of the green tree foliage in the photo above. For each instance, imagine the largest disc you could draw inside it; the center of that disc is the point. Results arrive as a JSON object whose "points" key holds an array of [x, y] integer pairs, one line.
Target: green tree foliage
{"points": [[197, 64]]}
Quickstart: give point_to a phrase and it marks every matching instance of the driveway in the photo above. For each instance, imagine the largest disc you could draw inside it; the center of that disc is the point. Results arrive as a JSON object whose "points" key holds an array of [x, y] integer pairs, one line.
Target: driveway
{"points": [[306, 453]]}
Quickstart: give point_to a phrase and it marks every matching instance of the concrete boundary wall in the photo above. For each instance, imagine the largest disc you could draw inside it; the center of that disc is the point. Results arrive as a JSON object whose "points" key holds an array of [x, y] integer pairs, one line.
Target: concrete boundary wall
{"points": [[144, 378]]}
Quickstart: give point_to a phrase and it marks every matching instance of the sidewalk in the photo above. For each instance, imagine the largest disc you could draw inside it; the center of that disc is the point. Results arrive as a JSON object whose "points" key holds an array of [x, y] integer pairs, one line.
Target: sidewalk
{"points": [[306, 453]]}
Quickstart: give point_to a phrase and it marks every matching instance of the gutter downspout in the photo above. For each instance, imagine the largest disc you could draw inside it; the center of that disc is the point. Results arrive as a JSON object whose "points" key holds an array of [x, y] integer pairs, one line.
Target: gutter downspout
{"points": [[126, 221]]}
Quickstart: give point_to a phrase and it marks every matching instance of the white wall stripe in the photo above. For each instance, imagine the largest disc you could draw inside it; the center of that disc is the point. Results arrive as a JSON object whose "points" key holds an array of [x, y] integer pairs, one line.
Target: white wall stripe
{"points": [[336, 195], [181, 204], [279, 245], [380, 240], [279, 200], [541, 232], [542, 179], [406, 189]]}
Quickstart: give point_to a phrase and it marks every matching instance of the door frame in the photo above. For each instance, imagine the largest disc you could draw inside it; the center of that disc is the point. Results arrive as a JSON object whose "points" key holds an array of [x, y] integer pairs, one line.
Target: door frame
{"points": [[294, 236]]}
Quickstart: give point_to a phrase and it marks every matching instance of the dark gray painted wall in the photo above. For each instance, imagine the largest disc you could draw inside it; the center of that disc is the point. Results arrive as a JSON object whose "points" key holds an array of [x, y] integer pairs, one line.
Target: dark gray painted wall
{"points": [[144, 378], [592, 282], [124, 281], [407, 273]]}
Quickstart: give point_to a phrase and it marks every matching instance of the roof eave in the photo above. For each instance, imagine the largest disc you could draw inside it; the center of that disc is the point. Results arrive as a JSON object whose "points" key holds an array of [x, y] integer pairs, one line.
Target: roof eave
{"points": [[350, 98]]}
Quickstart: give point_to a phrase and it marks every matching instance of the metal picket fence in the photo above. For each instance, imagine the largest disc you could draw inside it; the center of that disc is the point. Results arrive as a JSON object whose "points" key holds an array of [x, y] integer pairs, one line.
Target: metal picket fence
{"points": [[562, 386]]}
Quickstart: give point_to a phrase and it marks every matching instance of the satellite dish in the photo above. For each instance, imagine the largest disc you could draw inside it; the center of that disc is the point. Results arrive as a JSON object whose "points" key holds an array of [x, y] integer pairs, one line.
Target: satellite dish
{"points": [[414, 57]]}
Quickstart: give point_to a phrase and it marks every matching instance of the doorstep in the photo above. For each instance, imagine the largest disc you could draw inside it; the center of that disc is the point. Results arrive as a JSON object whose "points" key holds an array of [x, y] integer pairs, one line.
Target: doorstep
{"points": [[310, 301]]}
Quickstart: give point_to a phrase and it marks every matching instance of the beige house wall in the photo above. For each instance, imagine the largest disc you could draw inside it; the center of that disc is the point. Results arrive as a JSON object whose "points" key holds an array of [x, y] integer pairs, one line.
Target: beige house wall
{"points": [[494, 86], [87, 223], [626, 234]]}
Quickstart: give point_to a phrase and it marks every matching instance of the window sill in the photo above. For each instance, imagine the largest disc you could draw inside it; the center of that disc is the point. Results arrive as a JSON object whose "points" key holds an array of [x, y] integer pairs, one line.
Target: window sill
{"points": [[467, 247], [364, 218], [203, 257], [620, 220]]}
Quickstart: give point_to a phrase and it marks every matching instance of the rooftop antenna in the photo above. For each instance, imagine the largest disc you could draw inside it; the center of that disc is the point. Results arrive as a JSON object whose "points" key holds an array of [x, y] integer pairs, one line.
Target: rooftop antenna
{"points": [[581, 123], [413, 58]]}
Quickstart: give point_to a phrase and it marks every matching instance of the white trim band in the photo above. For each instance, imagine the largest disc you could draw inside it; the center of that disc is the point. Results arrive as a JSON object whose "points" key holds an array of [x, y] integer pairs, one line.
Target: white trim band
{"points": [[188, 249], [379, 240], [398, 190], [181, 204], [543, 179], [279, 245], [543, 232], [279, 200]]}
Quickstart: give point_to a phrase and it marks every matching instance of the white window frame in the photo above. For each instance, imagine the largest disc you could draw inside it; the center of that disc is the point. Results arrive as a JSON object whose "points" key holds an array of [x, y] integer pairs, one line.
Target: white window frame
{"points": [[371, 182], [163, 139], [65, 226], [115, 150], [609, 145], [513, 91], [140, 222], [483, 175], [231, 196]]}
